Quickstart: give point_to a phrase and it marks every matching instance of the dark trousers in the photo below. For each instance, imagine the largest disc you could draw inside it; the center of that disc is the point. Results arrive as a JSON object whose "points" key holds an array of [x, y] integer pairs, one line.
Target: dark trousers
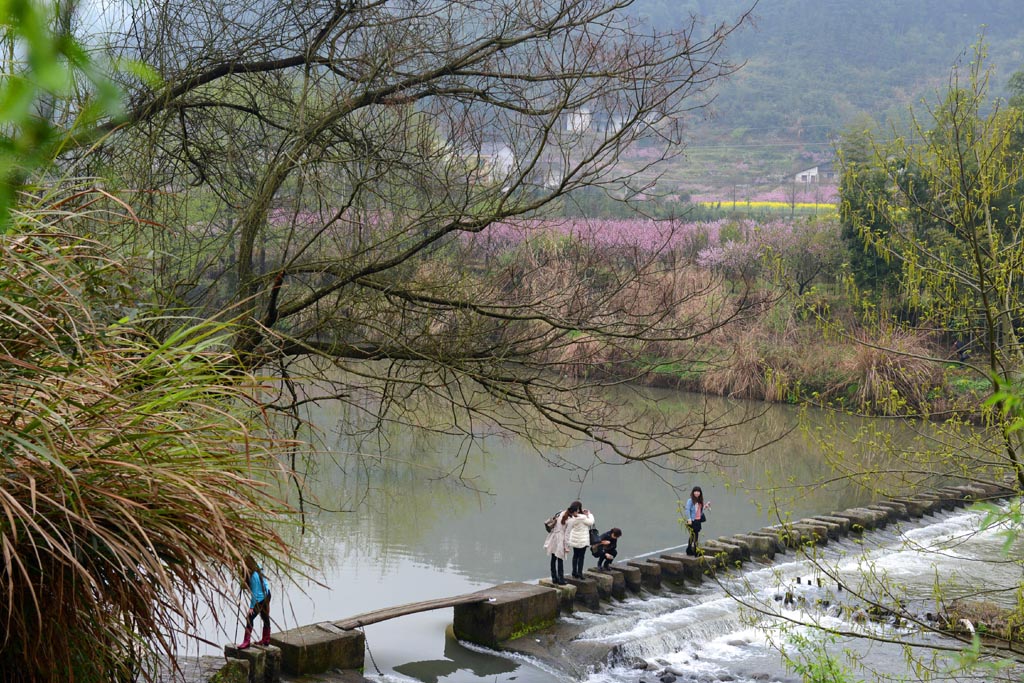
{"points": [[578, 555], [694, 528], [557, 568], [604, 560], [263, 609]]}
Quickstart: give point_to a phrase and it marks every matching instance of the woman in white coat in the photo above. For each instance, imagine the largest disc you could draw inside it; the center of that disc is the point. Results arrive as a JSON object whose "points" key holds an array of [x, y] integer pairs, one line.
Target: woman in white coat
{"points": [[578, 528], [557, 542]]}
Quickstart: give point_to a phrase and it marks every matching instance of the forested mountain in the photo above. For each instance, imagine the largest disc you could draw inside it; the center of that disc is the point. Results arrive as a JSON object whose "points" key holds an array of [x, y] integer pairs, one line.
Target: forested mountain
{"points": [[813, 66]]}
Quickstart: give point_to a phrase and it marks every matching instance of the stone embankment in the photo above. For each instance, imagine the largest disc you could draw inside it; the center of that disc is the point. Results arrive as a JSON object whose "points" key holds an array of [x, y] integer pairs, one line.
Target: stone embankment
{"points": [[499, 617]]}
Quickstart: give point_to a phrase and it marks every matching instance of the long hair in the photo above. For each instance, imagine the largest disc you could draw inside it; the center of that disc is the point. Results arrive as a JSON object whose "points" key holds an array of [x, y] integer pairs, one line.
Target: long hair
{"points": [[573, 508], [700, 497], [254, 566]]}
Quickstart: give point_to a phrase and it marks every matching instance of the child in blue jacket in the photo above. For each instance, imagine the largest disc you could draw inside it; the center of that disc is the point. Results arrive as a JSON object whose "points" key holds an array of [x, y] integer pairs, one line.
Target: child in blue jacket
{"points": [[259, 603]]}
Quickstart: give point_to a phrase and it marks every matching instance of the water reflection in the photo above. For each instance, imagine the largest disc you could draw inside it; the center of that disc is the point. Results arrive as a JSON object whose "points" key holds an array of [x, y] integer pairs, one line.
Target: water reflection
{"points": [[412, 514], [476, 507], [457, 658]]}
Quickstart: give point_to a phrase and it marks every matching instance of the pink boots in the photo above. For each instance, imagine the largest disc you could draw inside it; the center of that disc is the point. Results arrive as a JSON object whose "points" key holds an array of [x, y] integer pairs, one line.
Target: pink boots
{"points": [[245, 641]]}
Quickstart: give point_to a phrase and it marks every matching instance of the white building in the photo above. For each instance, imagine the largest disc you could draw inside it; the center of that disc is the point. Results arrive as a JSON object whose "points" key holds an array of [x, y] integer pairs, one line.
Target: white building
{"points": [[816, 174], [579, 121]]}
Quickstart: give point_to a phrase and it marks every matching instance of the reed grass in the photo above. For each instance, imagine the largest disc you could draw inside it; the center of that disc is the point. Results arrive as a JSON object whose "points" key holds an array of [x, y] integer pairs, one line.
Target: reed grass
{"points": [[894, 372], [135, 473], [742, 374]]}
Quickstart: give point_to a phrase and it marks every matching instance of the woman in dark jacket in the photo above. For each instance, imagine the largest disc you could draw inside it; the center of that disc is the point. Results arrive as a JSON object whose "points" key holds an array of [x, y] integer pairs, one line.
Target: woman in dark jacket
{"points": [[607, 547]]}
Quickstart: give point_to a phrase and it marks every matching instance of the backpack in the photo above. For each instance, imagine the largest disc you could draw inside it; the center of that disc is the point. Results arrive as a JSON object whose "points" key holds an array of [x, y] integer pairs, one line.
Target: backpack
{"points": [[595, 539]]}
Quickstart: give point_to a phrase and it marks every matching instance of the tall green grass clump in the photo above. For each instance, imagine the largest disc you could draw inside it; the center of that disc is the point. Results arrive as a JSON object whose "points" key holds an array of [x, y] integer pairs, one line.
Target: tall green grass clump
{"points": [[134, 472]]}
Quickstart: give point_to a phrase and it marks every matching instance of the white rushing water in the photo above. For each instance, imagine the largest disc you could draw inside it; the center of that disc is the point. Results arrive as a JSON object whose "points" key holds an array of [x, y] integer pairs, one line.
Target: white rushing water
{"points": [[733, 629], [428, 517]]}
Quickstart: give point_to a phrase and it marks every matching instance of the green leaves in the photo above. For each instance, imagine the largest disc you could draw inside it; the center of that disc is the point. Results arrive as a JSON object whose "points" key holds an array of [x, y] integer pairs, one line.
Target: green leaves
{"points": [[1008, 399], [50, 88]]}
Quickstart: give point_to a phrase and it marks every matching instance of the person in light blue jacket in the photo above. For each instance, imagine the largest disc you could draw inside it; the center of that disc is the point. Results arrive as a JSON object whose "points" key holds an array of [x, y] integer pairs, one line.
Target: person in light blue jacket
{"points": [[259, 603], [695, 517]]}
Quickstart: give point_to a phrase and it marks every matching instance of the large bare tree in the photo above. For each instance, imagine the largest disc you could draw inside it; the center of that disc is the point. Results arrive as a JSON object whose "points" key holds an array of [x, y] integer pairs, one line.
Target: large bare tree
{"points": [[333, 173]]}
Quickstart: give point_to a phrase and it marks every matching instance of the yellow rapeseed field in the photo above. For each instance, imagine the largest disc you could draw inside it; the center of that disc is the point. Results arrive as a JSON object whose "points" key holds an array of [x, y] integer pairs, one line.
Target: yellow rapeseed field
{"points": [[803, 207]]}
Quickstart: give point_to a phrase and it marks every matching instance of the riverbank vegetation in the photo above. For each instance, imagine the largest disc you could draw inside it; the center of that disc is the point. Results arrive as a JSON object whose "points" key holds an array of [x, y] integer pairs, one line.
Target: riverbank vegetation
{"points": [[137, 468], [805, 333], [136, 472], [272, 197], [937, 211], [217, 207]]}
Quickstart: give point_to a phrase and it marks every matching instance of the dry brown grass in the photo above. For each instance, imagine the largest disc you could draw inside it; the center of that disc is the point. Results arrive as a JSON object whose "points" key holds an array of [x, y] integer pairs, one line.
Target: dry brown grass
{"points": [[985, 618], [578, 356], [133, 471], [741, 374], [894, 372]]}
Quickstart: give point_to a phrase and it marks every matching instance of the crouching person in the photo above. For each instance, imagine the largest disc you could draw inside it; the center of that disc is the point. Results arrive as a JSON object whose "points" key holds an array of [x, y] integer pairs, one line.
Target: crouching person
{"points": [[607, 548]]}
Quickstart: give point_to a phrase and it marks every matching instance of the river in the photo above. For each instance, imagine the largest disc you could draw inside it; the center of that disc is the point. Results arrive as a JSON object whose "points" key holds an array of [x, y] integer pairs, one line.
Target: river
{"points": [[418, 515]]}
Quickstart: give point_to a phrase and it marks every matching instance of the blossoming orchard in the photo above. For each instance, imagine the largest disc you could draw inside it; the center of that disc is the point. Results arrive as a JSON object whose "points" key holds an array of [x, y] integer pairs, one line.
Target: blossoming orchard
{"points": [[807, 247]]}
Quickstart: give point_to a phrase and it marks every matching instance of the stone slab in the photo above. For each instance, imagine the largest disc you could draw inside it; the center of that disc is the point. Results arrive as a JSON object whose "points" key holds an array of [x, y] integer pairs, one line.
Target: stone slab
{"points": [[254, 656], [760, 546], [694, 568], [895, 511], [726, 554], [272, 672], [914, 508], [993, 489], [671, 570], [882, 516], [618, 575], [566, 594], [632, 575], [513, 610], [772, 538], [603, 580], [811, 532], [742, 545], [958, 497], [586, 592], [311, 649], [232, 671], [863, 519], [787, 535], [650, 573], [936, 502], [974, 493], [926, 504], [843, 522], [950, 500], [834, 529]]}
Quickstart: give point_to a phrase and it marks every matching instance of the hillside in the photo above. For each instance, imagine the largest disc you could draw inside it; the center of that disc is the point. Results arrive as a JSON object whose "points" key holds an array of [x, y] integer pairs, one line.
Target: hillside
{"points": [[814, 67]]}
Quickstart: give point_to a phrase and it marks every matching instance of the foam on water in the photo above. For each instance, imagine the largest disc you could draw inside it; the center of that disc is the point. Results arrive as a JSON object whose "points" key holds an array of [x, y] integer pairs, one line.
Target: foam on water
{"points": [[734, 626], [526, 660], [389, 677]]}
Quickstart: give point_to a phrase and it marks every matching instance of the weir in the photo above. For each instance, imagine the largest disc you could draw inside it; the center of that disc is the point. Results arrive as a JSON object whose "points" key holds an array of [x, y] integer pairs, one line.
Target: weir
{"points": [[497, 616]]}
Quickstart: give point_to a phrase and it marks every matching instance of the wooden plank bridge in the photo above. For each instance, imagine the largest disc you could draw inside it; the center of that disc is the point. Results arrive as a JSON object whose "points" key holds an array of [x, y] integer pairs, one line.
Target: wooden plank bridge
{"points": [[377, 616]]}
